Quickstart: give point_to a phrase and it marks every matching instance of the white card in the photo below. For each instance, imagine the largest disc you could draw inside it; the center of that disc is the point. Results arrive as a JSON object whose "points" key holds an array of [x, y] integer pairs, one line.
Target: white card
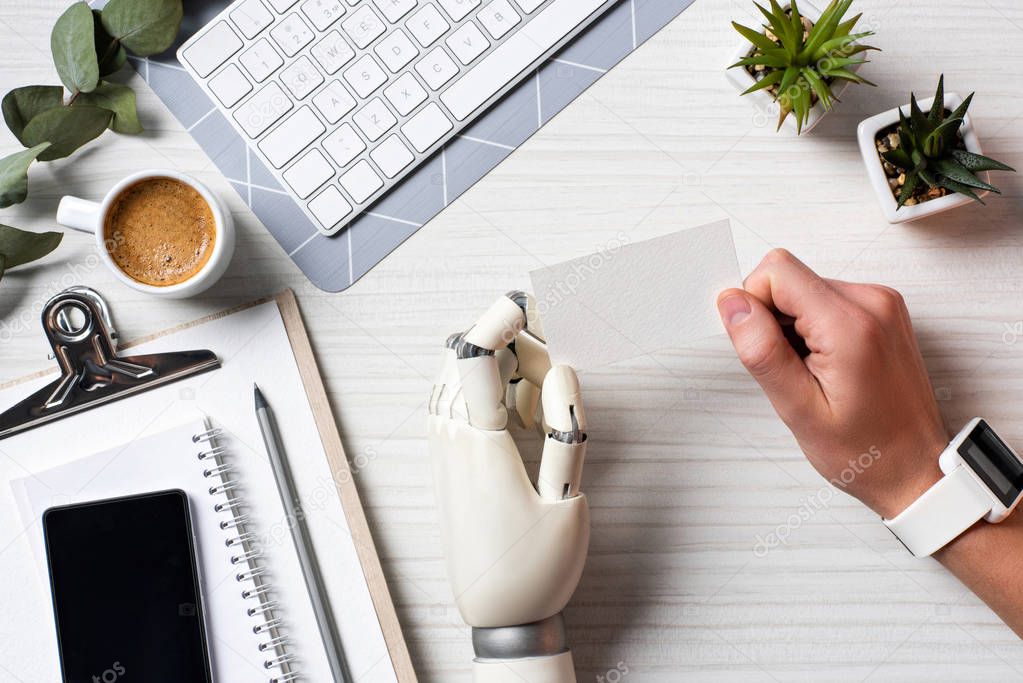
{"points": [[639, 298]]}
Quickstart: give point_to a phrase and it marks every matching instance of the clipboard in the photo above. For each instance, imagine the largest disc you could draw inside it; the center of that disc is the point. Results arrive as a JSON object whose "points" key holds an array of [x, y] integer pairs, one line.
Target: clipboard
{"points": [[341, 476]]}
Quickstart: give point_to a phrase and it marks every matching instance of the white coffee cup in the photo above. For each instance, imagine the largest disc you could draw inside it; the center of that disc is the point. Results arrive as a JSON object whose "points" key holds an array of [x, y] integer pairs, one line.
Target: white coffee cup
{"points": [[87, 216]]}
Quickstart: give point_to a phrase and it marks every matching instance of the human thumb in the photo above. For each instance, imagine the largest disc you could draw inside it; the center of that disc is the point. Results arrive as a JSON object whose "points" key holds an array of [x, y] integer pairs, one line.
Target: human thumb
{"points": [[765, 352]]}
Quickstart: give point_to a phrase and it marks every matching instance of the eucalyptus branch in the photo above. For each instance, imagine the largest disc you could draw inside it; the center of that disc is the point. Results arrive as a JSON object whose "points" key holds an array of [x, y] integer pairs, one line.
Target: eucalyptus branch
{"points": [[87, 46]]}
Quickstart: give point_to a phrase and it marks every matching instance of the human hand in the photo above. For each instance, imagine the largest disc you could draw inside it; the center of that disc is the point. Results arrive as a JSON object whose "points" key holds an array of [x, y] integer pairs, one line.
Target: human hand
{"points": [[857, 397]]}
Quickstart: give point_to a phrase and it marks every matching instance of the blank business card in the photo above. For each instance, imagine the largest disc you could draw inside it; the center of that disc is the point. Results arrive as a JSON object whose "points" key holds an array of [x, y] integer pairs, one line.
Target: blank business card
{"points": [[630, 299]]}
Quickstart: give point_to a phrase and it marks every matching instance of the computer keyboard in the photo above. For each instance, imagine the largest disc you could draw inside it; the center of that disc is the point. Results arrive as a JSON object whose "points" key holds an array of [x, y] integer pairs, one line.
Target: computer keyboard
{"points": [[344, 98]]}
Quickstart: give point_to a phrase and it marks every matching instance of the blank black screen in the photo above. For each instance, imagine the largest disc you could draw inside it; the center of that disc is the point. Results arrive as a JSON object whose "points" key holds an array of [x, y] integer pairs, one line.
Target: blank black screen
{"points": [[992, 460], [125, 590]]}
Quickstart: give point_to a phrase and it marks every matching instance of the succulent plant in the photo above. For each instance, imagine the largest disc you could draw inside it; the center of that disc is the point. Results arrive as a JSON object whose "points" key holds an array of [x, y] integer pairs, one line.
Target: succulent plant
{"points": [[929, 150], [798, 67]]}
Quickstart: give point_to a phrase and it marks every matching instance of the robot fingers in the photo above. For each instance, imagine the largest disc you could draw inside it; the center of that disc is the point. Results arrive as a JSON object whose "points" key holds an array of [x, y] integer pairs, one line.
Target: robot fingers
{"points": [[564, 450], [485, 364]]}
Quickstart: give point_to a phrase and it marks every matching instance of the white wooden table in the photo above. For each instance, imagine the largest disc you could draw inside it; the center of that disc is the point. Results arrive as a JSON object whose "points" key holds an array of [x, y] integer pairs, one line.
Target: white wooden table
{"points": [[688, 466]]}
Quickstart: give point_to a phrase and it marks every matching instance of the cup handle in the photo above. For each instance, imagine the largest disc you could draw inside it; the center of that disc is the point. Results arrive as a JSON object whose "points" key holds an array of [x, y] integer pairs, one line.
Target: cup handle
{"points": [[79, 214]]}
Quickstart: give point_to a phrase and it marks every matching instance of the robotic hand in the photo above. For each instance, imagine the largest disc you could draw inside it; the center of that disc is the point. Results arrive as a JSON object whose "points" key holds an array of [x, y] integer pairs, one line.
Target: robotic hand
{"points": [[514, 552]]}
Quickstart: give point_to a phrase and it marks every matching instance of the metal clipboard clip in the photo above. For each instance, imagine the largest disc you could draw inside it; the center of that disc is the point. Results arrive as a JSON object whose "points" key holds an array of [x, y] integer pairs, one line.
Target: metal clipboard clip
{"points": [[78, 324]]}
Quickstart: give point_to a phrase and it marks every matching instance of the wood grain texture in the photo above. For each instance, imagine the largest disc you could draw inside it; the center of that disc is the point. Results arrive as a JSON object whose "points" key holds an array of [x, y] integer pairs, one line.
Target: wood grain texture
{"points": [[688, 466]]}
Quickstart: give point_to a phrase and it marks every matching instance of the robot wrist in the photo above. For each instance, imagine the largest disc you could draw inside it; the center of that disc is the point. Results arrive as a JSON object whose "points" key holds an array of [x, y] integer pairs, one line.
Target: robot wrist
{"points": [[544, 638]]}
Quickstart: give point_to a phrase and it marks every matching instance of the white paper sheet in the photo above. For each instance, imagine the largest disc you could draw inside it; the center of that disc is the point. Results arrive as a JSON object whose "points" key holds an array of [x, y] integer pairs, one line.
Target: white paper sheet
{"points": [[253, 347], [638, 298]]}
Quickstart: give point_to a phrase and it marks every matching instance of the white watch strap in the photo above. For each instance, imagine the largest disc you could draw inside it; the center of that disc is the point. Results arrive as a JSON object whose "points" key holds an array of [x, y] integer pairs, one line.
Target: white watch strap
{"points": [[942, 513]]}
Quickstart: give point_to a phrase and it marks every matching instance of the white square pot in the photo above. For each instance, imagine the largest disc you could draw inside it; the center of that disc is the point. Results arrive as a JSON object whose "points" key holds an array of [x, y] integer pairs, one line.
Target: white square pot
{"points": [[742, 80], [866, 133]]}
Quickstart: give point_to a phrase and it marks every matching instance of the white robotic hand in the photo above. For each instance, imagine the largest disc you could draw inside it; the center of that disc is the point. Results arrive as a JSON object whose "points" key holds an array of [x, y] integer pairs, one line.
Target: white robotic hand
{"points": [[515, 552]]}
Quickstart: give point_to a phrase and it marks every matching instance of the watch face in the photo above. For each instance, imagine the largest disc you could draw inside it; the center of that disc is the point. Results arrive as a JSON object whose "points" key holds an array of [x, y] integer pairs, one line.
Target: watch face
{"points": [[994, 463]]}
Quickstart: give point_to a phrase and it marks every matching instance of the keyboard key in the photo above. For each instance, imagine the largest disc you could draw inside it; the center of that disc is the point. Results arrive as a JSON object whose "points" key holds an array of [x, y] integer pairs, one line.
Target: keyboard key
{"points": [[361, 182], [261, 60], [308, 173], [282, 6], [374, 119], [427, 25], [365, 76], [292, 34], [515, 55], [426, 127], [459, 9], [468, 43], [529, 6], [364, 26], [285, 141], [323, 13], [396, 50], [330, 207], [263, 109], [405, 94], [230, 85], [251, 17], [498, 18], [392, 156], [334, 102], [344, 144], [212, 49], [436, 68], [393, 10], [301, 78], [333, 52]]}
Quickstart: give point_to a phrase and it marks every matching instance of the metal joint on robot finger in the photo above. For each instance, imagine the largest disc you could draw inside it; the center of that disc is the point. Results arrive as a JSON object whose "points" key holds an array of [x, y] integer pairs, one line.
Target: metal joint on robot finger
{"points": [[464, 349], [498, 325]]}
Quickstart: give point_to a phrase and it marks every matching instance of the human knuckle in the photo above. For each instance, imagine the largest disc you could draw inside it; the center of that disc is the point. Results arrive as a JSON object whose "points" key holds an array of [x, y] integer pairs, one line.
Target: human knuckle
{"points": [[888, 301], [759, 356], [779, 255]]}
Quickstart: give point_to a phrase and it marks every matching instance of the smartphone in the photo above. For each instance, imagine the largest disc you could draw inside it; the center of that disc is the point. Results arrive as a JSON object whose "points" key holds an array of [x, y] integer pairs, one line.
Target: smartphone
{"points": [[125, 588]]}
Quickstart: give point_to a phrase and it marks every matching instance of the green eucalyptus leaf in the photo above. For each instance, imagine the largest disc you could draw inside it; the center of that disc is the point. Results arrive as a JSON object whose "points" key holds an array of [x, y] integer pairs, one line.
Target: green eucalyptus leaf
{"points": [[21, 105], [74, 49], [117, 99], [110, 54], [68, 128], [3, 265], [21, 246], [14, 175], [145, 27]]}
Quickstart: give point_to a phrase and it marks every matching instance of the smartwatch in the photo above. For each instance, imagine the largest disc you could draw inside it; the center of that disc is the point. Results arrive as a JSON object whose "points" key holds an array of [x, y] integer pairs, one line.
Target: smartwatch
{"points": [[983, 480]]}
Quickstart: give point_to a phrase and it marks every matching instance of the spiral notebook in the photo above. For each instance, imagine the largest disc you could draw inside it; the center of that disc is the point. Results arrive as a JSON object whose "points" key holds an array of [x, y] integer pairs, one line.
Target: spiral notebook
{"points": [[145, 443], [258, 615]]}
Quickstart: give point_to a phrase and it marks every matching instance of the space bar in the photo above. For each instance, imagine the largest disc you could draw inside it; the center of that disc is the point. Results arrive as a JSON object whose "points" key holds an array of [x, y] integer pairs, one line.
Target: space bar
{"points": [[516, 54]]}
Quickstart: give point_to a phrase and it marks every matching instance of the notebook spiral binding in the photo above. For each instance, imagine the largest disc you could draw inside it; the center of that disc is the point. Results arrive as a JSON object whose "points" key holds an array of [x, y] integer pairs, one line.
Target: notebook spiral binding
{"points": [[251, 573]]}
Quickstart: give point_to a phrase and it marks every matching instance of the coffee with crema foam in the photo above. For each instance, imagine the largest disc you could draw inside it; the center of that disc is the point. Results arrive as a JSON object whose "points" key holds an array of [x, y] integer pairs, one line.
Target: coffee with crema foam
{"points": [[160, 231]]}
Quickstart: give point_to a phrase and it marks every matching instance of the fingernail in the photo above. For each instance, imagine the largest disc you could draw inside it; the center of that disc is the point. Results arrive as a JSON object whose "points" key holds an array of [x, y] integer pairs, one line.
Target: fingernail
{"points": [[734, 309]]}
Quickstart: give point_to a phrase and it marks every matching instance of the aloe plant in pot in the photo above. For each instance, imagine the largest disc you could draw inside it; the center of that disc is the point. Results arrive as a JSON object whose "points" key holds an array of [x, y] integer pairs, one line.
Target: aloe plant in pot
{"points": [[922, 163], [800, 60]]}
